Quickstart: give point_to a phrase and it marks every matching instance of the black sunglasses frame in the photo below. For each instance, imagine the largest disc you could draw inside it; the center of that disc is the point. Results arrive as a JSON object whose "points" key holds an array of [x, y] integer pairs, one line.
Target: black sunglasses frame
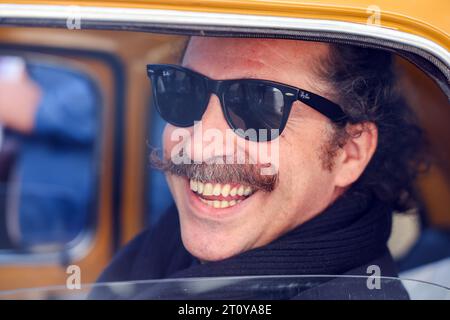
{"points": [[219, 87]]}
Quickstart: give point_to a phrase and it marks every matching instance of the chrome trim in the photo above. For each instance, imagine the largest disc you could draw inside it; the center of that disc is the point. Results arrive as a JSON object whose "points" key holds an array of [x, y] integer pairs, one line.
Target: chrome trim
{"points": [[171, 17]]}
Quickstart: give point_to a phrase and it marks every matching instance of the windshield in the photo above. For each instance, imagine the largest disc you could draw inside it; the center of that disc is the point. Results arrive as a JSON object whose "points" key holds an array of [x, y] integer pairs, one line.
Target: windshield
{"points": [[242, 288]]}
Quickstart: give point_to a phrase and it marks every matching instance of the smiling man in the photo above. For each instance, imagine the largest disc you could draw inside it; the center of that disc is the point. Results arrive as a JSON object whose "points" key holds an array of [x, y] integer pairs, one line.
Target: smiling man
{"points": [[341, 143]]}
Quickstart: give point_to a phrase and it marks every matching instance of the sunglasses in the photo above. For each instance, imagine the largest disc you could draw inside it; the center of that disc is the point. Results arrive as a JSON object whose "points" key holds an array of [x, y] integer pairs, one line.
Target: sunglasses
{"points": [[256, 110]]}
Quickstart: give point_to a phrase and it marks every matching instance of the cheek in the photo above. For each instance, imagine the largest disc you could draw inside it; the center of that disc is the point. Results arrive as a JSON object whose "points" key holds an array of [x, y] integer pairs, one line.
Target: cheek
{"points": [[298, 169], [300, 151], [303, 181]]}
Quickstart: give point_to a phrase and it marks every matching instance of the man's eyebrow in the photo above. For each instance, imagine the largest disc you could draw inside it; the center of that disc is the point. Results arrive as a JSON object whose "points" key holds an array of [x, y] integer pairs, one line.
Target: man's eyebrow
{"points": [[248, 76], [252, 75]]}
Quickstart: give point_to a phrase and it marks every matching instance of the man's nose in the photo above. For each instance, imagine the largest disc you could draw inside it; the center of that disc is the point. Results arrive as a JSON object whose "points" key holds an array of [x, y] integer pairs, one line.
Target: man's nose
{"points": [[212, 129]]}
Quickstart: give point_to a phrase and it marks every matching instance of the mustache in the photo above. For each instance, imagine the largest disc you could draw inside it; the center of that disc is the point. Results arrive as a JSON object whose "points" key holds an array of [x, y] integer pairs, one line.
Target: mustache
{"points": [[216, 170]]}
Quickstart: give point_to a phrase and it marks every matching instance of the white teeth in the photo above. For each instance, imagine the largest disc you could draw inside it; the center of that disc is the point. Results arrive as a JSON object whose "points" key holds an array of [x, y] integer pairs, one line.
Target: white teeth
{"points": [[226, 190], [217, 189], [200, 187], [193, 185], [220, 204], [240, 191], [208, 190]]}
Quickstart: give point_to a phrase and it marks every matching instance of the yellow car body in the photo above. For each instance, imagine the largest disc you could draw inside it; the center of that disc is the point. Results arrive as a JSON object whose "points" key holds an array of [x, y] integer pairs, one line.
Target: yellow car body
{"points": [[430, 21]]}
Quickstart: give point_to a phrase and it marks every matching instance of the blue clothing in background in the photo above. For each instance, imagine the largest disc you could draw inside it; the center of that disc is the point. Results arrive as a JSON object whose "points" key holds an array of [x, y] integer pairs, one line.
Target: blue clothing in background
{"points": [[56, 169]]}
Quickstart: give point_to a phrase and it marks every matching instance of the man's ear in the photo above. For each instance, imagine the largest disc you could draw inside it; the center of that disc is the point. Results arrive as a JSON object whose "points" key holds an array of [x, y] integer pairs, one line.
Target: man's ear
{"points": [[356, 153]]}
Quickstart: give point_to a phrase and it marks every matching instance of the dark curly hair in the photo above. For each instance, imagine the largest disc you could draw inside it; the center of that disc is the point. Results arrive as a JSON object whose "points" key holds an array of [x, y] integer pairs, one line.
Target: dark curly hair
{"points": [[365, 85]]}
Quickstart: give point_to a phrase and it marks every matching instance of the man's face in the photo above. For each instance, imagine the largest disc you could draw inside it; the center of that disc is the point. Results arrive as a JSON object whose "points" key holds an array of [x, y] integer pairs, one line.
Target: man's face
{"points": [[304, 186]]}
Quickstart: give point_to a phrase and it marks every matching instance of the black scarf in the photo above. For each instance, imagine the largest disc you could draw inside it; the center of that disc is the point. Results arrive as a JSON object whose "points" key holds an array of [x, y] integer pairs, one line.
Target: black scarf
{"points": [[351, 232]]}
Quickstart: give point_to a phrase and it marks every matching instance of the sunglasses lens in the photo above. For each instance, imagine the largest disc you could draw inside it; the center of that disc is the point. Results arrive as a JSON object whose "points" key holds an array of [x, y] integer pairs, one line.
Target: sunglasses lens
{"points": [[179, 96], [256, 108]]}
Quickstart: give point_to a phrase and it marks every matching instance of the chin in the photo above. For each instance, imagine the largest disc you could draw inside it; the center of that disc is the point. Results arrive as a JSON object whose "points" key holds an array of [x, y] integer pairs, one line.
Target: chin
{"points": [[209, 247]]}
